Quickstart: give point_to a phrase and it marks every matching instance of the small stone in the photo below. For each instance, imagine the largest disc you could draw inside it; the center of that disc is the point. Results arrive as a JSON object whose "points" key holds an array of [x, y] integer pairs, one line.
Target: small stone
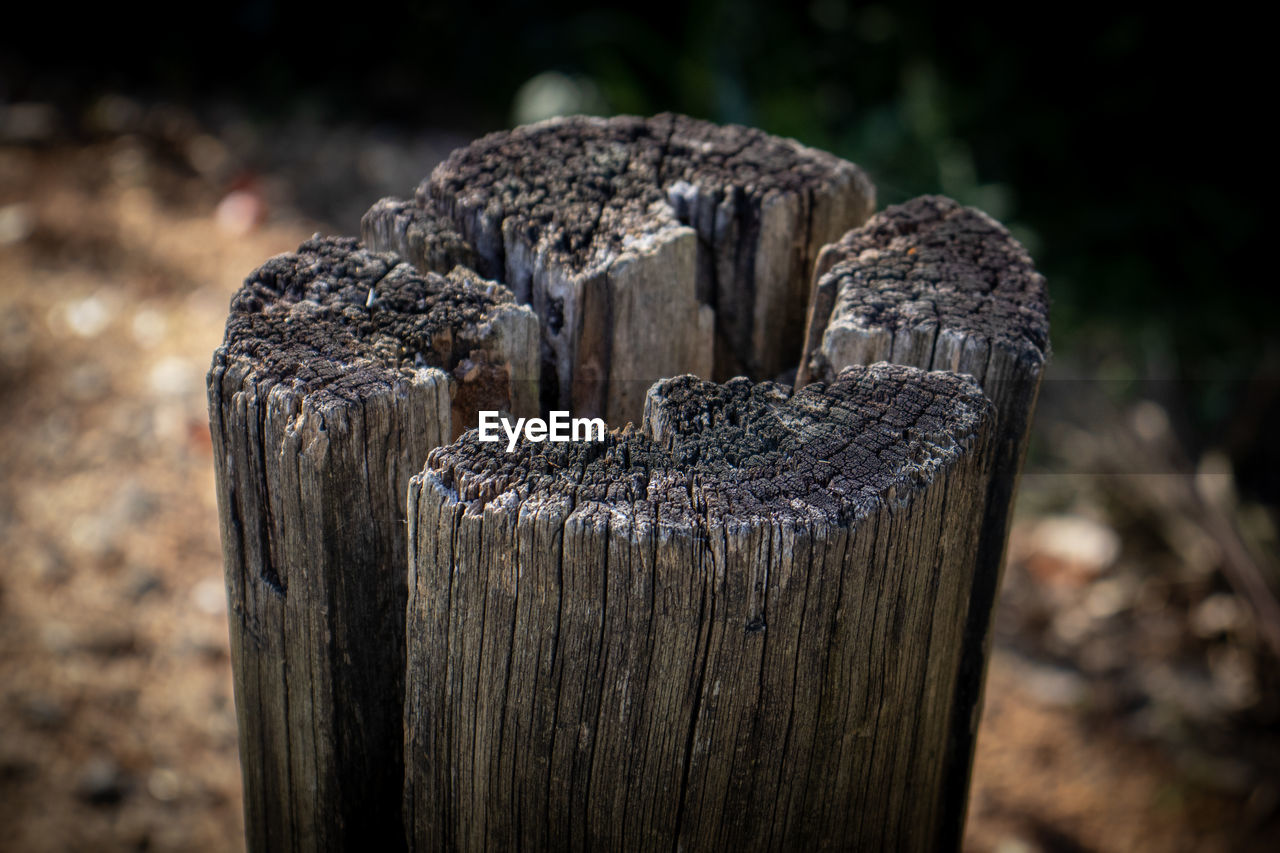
{"points": [[88, 317], [210, 596], [240, 212], [1072, 626], [1235, 684], [1069, 550], [149, 327], [1110, 597], [164, 784], [57, 637], [174, 377], [102, 782], [16, 223]]}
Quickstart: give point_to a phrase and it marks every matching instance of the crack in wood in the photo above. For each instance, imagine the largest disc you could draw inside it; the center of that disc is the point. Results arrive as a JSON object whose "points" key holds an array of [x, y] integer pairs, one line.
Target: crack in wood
{"points": [[757, 619]]}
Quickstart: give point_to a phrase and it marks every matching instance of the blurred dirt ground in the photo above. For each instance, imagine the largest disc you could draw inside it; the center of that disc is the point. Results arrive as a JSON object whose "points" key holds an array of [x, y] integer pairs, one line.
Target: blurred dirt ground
{"points": [[119, 250]]}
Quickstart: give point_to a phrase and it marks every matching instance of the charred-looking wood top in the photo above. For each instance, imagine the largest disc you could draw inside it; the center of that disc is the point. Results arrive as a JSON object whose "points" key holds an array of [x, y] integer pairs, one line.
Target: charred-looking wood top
{"points": [[337, 323], [341, 369], [710, 453], [736, 628], [924, 276], [421, 237], [644, 243], [584, 190]]}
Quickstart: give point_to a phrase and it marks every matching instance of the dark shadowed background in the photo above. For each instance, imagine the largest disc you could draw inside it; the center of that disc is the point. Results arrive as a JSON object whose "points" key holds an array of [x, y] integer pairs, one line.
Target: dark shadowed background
{"points": [[150, 160]]}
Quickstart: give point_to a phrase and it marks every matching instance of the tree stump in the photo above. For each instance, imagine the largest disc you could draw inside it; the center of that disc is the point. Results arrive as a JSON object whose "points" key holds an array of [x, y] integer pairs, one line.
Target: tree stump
{"points": [[649, 247], [932, 284], [736, 628], [340, 370], [759, 619]]}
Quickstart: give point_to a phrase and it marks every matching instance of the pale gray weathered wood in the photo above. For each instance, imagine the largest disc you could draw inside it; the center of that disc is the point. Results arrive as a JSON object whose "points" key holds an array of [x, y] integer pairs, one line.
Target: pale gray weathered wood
{"points": [[340, 370], [419, 236], [932, 284], [737, 628]]}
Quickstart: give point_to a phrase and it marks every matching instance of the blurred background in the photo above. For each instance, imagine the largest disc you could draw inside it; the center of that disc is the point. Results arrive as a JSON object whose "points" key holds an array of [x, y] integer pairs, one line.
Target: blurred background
{"points": [[149, 161]]}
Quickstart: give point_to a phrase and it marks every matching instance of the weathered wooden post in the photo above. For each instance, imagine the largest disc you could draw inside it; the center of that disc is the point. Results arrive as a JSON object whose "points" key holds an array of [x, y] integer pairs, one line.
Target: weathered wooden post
{"points": [[340, 370], [932, 284], [738, 628], [649, 247], [759, 619]]}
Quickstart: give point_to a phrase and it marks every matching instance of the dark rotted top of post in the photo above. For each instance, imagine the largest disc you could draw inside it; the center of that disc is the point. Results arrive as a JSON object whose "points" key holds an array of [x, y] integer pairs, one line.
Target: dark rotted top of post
{"points": [[931, 262], [339, 323], [340, 369], [738, 452], [583, 189], [559, 208], [936, 284], [749, 555]]}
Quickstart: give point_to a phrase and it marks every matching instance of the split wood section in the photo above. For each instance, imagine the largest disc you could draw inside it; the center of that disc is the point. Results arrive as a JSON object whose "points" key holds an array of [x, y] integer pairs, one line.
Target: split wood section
{"points": [[757, 619], [737, 628], [341, 369], [932, 284], [649, 247]]}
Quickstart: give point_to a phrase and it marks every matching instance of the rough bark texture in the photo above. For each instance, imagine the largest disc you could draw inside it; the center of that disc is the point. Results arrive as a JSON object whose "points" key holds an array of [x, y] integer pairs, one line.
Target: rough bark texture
{"points": [[936, 285], [759, 620], [649, 247], [333, 383], [422, 238], [738, 627]]}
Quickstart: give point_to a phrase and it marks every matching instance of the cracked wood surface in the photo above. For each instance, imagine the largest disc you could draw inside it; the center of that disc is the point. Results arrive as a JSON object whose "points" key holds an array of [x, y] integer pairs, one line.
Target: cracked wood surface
{"points": [[758, 619], [736, 627], [340, 370], [421, 237], [933, 284], [649, 247]]}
